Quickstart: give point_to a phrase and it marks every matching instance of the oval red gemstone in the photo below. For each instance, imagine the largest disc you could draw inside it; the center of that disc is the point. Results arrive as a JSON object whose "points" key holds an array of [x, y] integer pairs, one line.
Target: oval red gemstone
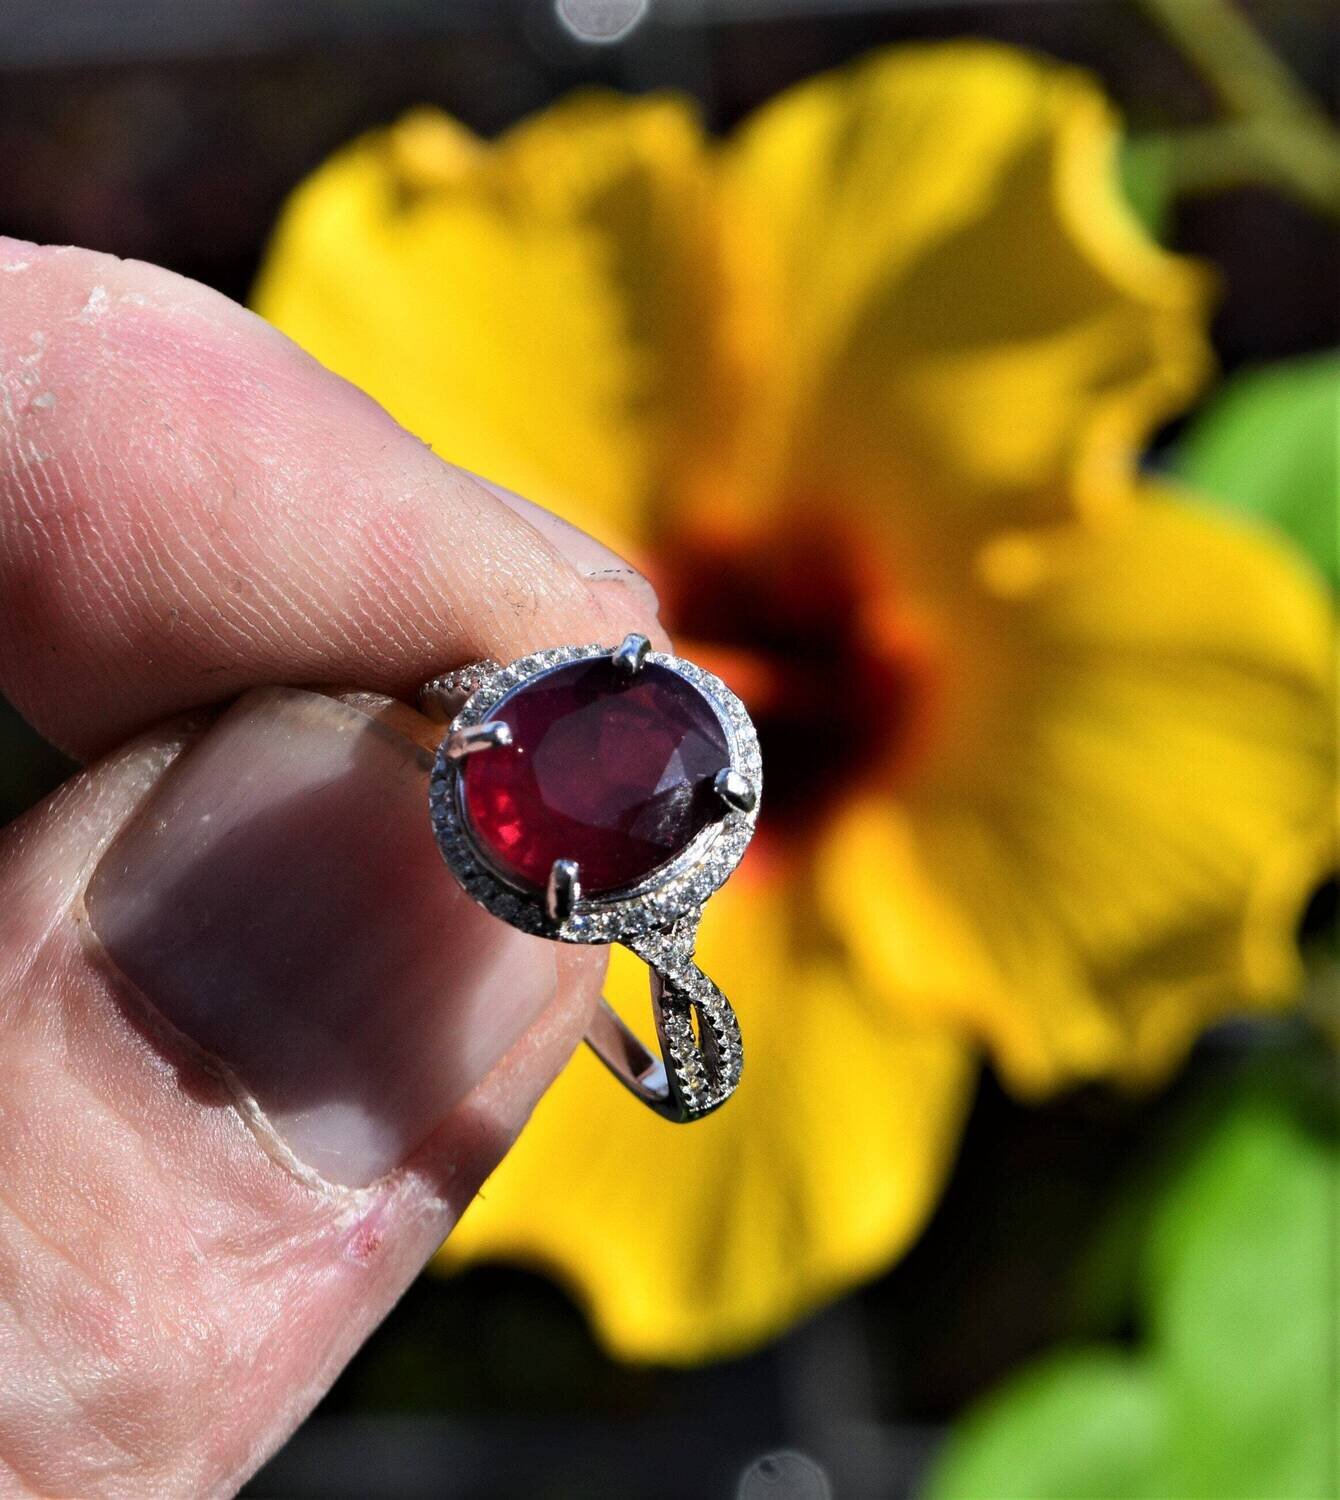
{"points": [[612, 770]]}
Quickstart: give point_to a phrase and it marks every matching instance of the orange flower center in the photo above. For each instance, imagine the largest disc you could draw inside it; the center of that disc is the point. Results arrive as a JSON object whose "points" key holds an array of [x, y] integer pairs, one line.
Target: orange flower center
{"points": [[807, 625]]}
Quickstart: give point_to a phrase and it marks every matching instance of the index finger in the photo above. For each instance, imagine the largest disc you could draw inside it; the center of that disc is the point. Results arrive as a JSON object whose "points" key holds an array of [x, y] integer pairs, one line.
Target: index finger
{"points": [[190, 505]]}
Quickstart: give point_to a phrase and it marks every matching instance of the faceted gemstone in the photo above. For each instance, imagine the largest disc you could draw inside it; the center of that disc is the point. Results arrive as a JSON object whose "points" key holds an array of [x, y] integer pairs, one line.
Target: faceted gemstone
{"points": [[612, 770]]}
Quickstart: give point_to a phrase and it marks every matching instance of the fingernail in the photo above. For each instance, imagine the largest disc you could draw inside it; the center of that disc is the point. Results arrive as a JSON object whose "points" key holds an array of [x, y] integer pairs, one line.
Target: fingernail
{"points": [[280, 901], [592, 559]]}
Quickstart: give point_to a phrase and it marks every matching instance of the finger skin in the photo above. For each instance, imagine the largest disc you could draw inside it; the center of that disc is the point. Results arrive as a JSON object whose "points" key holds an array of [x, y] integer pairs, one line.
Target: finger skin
{"points": [[174, 1293], [189, 505]]}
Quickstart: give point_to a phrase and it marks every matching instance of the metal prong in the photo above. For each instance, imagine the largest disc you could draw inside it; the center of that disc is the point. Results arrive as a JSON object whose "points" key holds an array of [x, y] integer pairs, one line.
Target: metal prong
{"points": [[734, 790], [631, 653], [564, 890], [487, 736]]}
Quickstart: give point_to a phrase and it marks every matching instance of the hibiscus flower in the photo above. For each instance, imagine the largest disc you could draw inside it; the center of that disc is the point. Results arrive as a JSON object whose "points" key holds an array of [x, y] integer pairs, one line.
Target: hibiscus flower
{"points": [[1047, 747]]}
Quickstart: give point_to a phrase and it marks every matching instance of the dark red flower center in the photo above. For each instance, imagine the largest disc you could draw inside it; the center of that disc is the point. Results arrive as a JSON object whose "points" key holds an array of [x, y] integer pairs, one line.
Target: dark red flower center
{"points": [[806, 626]]}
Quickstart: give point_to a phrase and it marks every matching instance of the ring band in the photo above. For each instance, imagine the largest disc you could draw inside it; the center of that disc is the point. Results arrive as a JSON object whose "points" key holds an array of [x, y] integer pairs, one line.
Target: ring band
{"points": [[593, 794]]}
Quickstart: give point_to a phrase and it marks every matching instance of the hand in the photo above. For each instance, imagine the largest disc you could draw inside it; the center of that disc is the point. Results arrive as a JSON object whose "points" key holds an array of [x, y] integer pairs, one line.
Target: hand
{"points": [[257, 1049]]}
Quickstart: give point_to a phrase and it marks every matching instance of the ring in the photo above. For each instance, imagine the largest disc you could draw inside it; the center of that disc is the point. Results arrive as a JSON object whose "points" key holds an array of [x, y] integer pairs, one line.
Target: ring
{"points": [[596, 795]]}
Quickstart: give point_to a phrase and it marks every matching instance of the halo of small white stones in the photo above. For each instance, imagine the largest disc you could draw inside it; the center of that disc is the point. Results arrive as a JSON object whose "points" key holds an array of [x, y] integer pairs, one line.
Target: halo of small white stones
{"points": [[676, 889], [450, 690]]}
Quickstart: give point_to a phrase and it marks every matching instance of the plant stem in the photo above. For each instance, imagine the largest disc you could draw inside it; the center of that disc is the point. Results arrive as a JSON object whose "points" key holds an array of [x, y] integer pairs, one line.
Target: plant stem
{"points": [[1275, 132]]}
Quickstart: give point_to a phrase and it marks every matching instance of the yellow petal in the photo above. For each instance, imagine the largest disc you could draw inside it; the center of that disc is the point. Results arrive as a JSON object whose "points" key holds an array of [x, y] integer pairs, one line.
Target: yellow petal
{"points": [[545, 311], [1129, 860], [691, 1241], [970, 322]]}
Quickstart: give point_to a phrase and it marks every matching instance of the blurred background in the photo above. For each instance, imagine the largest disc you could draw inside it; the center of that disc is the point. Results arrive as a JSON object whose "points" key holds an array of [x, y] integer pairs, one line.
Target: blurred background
{"points": [[172, 130]]}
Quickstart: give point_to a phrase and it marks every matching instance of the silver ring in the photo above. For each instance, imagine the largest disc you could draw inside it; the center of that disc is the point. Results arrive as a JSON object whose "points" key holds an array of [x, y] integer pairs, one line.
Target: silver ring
{"points": [[590, 794]]}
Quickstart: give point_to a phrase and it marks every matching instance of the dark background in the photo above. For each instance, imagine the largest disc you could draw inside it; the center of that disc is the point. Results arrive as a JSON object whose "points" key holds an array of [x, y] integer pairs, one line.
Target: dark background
{"points": [[171, 130]]}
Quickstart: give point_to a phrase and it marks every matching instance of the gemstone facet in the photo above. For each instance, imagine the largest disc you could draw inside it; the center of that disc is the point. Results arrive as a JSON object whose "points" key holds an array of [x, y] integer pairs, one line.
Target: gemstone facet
{"points": [[612, 770]]}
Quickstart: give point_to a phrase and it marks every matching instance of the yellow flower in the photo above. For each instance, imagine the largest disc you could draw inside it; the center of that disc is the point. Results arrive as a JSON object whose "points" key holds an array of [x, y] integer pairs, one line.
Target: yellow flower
{"points": [[1047, 750]]}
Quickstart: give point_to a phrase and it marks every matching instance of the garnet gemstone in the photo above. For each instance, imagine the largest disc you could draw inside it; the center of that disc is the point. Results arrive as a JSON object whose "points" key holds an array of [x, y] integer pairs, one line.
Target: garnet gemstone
{"points": [[613, 770]]}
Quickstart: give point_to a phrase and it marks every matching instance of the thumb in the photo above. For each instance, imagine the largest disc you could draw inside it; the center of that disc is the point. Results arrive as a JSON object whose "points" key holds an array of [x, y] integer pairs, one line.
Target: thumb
{"points": [[257, 1051]]}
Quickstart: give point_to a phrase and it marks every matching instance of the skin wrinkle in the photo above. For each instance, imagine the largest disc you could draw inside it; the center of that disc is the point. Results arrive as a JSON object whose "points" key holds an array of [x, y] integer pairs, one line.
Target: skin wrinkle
{"points": [[34, 1231], [7, 1466], [147, 1181], [311, 554], [72, 521], [295, 600], [66, 1183], [147, 1169], [217, 612], [23, 466], [91, 1386], [58, 1367], [166, 562], [252, 621], [105, 570]]}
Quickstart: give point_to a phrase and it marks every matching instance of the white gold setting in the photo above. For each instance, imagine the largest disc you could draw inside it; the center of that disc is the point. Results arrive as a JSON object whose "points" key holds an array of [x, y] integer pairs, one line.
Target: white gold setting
{"points": [[657, 917]]}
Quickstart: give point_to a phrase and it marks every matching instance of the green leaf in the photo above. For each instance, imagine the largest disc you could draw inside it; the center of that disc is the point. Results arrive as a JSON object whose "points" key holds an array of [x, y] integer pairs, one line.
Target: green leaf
{"points": [[1083, 1426], [1231, 1393], [1269, 447], [1240, 1284]]}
